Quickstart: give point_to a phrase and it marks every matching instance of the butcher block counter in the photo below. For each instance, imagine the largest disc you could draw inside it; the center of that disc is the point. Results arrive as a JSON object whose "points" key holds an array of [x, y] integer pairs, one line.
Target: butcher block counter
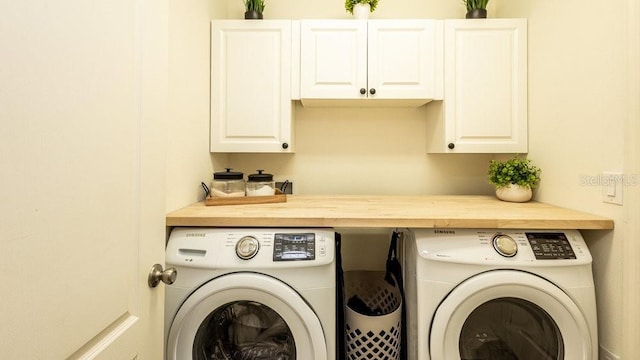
{"points": [[356, 211]]}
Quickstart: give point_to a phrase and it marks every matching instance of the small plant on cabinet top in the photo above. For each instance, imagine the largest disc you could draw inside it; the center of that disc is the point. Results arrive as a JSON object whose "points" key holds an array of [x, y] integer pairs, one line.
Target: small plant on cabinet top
{"points": [[517, 171], [475, 4], [349, 4], [254, 5]]}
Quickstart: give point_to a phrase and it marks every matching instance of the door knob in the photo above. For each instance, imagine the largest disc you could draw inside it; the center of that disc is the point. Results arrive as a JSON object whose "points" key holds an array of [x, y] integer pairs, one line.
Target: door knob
{"points": [[156, 274], [363, 91], [372, 91]]}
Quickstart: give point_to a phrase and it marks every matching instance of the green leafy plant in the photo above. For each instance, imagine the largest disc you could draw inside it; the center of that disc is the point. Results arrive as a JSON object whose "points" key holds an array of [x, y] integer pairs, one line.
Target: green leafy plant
{"points": [[349, 4], [514, 171], [254, 5], [475, 4]]}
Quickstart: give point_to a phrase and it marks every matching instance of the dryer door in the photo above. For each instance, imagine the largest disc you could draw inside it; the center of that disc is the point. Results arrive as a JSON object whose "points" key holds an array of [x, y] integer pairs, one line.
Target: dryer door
{"points": [[245, 316], [508, 314]]}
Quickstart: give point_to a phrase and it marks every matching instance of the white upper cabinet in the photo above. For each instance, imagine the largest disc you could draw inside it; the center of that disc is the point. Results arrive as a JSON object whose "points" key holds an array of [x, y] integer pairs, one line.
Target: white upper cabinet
{"points": [[333, 59], [251, 67], [485, 91], [394, 62]]}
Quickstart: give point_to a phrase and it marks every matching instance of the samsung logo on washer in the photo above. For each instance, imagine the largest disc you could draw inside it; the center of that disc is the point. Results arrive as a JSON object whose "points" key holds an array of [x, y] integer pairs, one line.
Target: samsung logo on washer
{"points": [[449, 232], [194, 235]]}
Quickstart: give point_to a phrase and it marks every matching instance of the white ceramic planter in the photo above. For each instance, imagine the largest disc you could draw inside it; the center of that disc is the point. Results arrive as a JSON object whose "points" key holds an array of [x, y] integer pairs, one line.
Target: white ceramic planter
{"points": [[514, 193], [361, 11]]}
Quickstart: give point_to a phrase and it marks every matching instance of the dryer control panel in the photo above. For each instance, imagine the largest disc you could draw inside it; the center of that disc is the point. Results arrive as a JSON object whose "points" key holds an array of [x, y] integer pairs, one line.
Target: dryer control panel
{"points": [[503, 246], [550, 245]]}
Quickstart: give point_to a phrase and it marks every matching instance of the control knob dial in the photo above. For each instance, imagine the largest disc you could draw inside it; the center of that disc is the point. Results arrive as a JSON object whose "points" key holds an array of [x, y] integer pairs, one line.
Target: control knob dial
{"points": [[247, 247], [505, 245]]}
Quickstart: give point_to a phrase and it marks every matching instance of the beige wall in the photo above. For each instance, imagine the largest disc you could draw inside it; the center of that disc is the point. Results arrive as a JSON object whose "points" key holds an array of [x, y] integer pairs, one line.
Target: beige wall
{"points": [[578, 109], [578, 96], [631, 230], [367, 151], [363, 150], [334, 9], [188, 160]]}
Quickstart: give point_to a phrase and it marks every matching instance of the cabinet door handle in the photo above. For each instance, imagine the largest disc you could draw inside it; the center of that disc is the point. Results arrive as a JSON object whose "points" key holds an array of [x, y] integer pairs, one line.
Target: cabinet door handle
{"points": [[363, 91], [451, 146], [285, 146], [372, 91]]}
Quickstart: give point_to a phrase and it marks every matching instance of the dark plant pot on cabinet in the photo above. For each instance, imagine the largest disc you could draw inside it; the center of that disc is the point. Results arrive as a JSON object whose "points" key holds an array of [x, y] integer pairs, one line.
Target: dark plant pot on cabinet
{"points": [[253, 15], [477, 14]]}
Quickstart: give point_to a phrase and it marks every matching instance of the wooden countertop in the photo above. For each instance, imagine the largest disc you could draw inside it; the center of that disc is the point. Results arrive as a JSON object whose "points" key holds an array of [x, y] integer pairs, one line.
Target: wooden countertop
{"points": [[389, 212]]}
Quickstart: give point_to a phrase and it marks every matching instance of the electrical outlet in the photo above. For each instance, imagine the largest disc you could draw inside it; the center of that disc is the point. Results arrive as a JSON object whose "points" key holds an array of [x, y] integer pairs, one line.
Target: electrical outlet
{"points": [[288, 189], [607, 355]]}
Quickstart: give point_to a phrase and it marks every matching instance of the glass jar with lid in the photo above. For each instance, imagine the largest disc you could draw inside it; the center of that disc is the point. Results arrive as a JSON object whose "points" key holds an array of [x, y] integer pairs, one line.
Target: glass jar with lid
{"points": [[228, 184], [260, 184]]}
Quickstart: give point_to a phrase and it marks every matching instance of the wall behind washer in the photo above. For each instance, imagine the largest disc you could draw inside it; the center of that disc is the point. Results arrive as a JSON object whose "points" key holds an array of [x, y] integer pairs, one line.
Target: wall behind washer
{"points": [[579, 116], [578, 101], [363, 150]]}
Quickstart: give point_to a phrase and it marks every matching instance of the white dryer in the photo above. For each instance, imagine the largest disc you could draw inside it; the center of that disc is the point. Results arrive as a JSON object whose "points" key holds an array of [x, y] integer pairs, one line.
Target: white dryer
{"points": [[508, 294], [251, 294]]}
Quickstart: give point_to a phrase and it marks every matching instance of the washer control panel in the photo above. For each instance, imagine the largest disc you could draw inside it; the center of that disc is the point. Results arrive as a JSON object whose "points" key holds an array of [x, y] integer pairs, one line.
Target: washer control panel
{"points": [[288, 247], [250, 248]]}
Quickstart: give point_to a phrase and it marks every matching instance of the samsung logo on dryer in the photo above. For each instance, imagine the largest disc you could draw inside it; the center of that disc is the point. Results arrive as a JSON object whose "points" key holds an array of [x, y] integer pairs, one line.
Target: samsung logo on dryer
{"points": [[194, 235], [448, 232]]}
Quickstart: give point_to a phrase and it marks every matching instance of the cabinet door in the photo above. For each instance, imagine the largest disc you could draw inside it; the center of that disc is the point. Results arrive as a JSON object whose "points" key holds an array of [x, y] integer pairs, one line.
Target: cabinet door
{"points": [[251, 86], [404, 58], [333, 59], [486, 85]]}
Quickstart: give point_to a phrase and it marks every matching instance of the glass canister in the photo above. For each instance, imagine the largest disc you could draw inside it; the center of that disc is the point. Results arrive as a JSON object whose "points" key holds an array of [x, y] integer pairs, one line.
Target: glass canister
{"points": [[260, 184], [228, 184]]}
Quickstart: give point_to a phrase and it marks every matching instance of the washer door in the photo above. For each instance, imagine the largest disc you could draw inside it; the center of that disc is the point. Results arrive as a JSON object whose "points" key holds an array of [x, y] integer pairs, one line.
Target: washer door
{"points": [[245, 316], [508, 315]]}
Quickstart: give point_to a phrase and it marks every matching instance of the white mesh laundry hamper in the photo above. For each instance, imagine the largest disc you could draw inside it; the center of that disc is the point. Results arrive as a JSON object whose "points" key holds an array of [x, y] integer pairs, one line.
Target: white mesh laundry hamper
{"points": [[372, 336]]}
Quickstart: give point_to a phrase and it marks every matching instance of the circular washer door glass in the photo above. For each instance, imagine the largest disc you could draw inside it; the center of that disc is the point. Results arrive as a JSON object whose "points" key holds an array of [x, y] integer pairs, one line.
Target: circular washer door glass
{"points": [[244, 330], [245, 316], [510, 329]]}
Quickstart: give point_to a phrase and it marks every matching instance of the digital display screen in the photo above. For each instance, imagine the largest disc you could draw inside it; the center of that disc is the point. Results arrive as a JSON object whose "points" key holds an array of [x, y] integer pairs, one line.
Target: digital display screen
{"points": [[293, 247], [550, 246]]}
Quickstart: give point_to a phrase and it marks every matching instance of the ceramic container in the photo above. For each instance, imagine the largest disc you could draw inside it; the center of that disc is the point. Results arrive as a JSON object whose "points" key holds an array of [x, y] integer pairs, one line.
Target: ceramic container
{"points": [[514, 193]]}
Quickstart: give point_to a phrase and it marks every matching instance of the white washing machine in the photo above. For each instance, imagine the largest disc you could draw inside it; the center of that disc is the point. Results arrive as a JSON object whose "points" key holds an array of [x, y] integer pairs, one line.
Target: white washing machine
{"points": [[251, 294], [500, 295]]}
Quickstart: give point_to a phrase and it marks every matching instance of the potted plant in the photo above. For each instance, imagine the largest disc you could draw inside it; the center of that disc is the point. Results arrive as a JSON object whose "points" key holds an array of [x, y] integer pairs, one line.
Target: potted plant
{"points": [[514, 178], [360, 8], [476, 9], [253, 9]]}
